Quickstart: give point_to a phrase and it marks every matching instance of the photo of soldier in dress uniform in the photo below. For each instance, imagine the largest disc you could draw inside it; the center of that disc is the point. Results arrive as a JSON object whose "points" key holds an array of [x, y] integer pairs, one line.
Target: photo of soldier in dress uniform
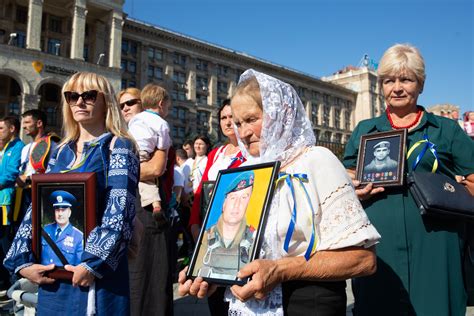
{"points": [[68, 239], [226, 246], [382, 161]]}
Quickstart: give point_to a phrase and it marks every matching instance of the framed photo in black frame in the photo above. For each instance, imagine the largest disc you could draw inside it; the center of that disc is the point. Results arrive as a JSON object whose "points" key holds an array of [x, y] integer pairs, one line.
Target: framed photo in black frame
{"points": [[233, 226], [63, 215], [206, 194], [381, 159]]}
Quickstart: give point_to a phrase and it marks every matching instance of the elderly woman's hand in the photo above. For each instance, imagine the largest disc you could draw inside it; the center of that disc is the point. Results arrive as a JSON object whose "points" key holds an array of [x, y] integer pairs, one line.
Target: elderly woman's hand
{"points": [[366, 192], [81, 276], [38, 273], [197, 287], [264, 277]]}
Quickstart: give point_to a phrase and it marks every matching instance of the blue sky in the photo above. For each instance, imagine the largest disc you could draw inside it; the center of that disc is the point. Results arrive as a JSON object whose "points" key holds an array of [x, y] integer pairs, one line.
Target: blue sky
{"points": [[320, 37]]}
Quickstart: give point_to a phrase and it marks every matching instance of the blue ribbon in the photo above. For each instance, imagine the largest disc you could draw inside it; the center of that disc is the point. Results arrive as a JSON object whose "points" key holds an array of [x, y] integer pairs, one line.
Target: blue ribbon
{"points": [[301, 177], [150, 111]]}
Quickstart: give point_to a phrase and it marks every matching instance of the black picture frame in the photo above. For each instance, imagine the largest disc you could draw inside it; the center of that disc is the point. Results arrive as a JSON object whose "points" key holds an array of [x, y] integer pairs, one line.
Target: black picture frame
{"points": [[216, 258], [51, 195], [381, 158], [206, 194]]}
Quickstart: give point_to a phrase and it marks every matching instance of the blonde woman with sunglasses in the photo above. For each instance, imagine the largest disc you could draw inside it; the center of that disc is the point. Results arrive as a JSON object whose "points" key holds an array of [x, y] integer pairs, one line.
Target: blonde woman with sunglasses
{"points": [[95, 140]]}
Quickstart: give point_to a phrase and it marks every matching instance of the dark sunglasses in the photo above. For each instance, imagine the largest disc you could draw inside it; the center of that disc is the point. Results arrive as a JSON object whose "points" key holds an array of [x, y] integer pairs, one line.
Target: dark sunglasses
{"points": [[130, 102], [89, 97]]}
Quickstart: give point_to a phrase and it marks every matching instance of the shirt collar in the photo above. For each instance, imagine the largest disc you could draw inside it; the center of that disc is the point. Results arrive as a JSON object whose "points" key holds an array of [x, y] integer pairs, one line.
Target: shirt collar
{"points": [[382, 123]]}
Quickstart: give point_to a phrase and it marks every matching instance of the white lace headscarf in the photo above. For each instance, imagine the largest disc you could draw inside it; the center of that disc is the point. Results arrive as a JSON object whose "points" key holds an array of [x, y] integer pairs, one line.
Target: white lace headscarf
{"points": [[286, 129]]}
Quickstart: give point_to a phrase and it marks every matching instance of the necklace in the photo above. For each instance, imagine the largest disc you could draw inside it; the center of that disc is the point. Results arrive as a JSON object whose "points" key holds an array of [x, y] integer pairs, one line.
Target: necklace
{"points": [[417, 119]]}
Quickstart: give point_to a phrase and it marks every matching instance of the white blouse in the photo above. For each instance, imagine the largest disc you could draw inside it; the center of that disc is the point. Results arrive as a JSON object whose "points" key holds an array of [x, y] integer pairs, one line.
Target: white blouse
{"points": [[338, 217], [197, 170], [221, 162]]}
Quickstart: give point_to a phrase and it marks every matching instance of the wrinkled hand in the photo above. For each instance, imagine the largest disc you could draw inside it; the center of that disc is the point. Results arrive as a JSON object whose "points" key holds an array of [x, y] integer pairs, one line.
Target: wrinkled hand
{"points": [[366, 192], [81, 276], [264, 276], [37, 273], [197, 287]]}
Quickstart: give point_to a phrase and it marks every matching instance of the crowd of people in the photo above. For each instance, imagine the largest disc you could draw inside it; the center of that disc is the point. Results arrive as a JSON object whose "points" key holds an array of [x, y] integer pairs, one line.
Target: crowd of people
{"points": [[150, 195]]}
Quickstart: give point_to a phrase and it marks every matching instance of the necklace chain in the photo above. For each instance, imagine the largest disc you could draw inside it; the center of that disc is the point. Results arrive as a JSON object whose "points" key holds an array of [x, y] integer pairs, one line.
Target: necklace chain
{"points": [[417, 119]]}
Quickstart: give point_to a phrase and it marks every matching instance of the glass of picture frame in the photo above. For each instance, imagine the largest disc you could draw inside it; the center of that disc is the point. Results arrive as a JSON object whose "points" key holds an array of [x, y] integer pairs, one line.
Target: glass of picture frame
{"points": [[63, 215], [233, 226], [381, 158]]}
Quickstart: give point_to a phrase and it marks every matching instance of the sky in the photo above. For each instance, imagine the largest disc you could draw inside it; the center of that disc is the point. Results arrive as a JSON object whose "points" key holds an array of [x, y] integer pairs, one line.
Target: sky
{"points": [[319, 37]]}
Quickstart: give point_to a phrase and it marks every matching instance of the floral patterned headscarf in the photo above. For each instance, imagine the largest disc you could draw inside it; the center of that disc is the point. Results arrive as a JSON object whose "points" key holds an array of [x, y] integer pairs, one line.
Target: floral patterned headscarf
{"points": [[286, 129]]}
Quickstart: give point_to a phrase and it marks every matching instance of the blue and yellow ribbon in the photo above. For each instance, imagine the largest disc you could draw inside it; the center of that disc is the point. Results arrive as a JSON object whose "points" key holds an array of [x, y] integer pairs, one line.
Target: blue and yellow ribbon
{"points": [[301, 177], [428, 145]]}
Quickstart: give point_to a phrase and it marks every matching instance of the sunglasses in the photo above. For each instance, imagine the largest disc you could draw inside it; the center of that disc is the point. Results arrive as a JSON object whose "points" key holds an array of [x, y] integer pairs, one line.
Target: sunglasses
{"points": [[89, 97], [130, 102]]}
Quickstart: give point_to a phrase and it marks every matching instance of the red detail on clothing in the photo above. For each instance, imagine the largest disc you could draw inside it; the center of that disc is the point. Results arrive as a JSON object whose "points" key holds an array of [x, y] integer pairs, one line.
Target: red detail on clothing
{"points": [[417, 119], [211, 157]]}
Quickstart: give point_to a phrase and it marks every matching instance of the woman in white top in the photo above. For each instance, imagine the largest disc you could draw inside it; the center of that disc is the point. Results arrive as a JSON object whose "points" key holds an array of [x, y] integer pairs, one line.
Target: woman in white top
{"points": [[202, 144], [332, 238]]}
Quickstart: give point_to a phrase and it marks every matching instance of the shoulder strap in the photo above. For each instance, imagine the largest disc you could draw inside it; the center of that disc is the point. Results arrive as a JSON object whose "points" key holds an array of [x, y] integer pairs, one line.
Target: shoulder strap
{"points": [[54, 247]]}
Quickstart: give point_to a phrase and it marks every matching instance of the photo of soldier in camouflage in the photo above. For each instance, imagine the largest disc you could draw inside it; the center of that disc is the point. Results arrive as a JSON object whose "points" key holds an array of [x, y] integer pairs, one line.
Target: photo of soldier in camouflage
{"points": [[226, 246]]}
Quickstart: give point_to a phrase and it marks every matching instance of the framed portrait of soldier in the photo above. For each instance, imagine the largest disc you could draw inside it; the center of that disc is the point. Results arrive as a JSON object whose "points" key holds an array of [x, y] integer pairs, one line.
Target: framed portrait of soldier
{"points": [[63, 215], [232, 229], [381, 159]]}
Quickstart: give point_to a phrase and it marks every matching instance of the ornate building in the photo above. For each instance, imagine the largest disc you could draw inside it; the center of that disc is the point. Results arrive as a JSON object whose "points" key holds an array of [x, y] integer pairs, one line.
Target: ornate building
{"points": [[43, 42]]}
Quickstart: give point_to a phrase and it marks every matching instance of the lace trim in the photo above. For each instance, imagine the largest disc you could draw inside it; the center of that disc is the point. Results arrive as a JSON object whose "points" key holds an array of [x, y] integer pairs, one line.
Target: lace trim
{"points": [[334, 192]]}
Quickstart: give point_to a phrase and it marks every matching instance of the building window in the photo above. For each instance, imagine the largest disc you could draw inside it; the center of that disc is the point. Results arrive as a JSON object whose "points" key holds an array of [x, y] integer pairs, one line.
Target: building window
{"points": [[301, 91], [132, 67], [21, 14], [179, 77], [54, 46], [155, 54], [220, 100], [326, 98], [133, 48], [314, 114], [337, 118], [179, 113], [201, 65], [123, 64], [55, 24], [222, 87], [20, 39], [222, 70], [179, 59], [201, 99], [326, 114], [347, 120], [315, 95], [132, 83], [155, 72], [124, 84], [14, 108], [85, 53], [124, 46], [202, 83], [202, 121], [338, 138]]}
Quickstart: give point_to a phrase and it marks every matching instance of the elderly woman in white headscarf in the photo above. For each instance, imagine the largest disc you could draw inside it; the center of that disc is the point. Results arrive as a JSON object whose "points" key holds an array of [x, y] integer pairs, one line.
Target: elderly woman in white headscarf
{"points": [[330, 239]]}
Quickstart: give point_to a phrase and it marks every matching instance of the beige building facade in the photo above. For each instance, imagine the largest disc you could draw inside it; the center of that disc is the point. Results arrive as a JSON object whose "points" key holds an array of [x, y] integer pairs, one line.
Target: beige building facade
{"points": [[364, 81], [43, 42]]}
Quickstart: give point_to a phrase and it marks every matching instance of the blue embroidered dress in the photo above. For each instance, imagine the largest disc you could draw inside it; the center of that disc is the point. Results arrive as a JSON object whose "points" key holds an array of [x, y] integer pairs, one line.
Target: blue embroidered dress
{"points": [[106, 247]]}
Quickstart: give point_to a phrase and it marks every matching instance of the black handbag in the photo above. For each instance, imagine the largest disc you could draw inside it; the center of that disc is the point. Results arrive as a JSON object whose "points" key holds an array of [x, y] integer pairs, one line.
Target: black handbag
{"points": [[439, 195]]}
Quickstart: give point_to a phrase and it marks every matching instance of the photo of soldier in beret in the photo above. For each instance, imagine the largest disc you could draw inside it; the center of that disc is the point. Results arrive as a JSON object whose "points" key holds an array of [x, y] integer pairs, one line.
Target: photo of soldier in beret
{"points": [[226, 245]]}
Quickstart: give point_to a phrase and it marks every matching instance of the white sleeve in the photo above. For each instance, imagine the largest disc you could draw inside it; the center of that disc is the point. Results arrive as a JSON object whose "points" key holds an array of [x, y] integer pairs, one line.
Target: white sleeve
{"points": [[178, 178], [144, 136], [163, 136]]}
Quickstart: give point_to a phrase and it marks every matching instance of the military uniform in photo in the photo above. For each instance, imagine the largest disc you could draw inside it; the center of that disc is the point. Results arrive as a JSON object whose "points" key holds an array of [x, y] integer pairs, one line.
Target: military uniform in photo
{"points": [[387, 164], [69, 239], [220, 258]]}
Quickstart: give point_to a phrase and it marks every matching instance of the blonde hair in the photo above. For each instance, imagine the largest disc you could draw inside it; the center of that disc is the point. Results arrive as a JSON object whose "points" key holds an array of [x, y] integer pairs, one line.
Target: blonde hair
{"points": [[134, 92], [251, 88], [152, 94], [114, 123], [401, 58]]}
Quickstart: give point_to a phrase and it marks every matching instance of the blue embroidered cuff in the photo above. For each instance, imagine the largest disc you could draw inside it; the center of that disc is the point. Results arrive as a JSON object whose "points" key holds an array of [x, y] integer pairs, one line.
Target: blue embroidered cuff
{"points": [[25, 265], [95, 273]]}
